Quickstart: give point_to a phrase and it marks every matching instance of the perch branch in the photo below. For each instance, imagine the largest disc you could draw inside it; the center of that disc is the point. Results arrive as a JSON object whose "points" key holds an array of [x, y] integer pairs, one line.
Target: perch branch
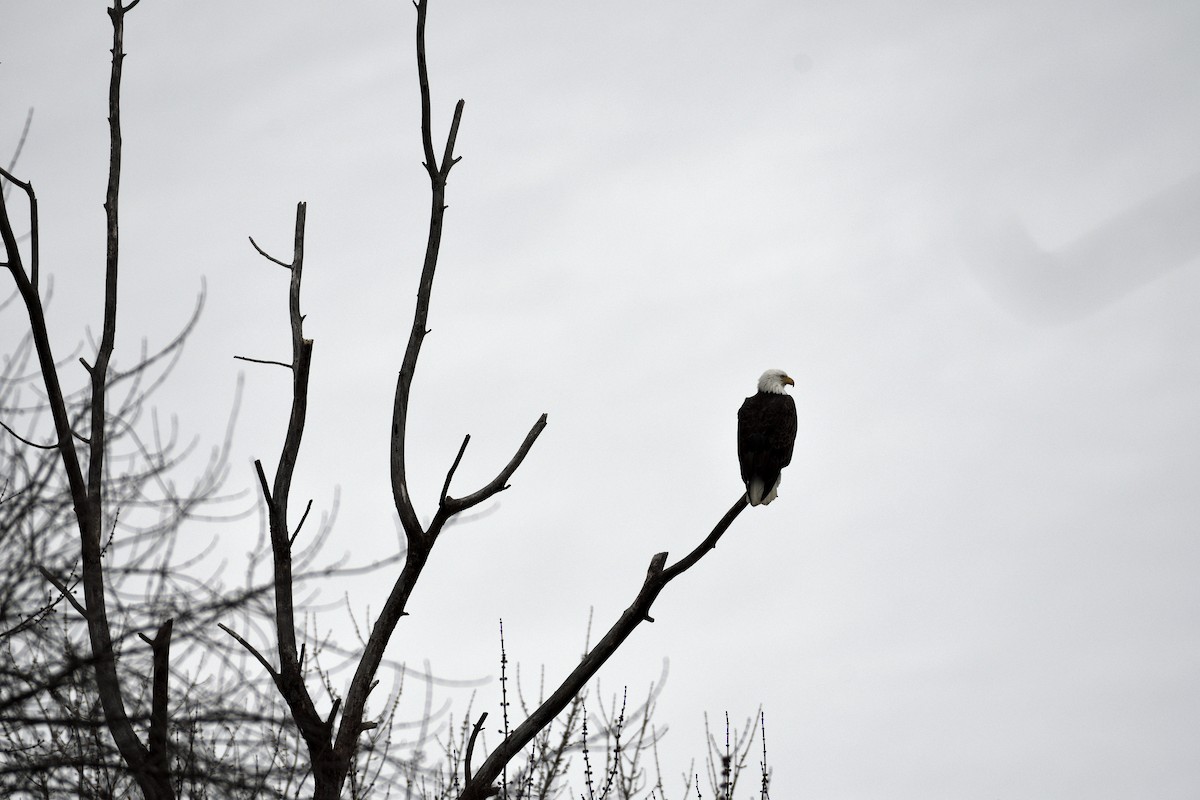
{"points": [[657, 577]]}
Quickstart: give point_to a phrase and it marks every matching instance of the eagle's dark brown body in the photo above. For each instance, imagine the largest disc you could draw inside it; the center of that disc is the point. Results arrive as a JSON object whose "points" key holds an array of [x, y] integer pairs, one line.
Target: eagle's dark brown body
{"points": [[766, 435]]}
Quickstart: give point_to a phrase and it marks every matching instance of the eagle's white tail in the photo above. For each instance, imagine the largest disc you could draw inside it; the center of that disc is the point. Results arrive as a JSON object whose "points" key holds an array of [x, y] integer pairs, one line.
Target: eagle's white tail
{"points": [[757, 492]]}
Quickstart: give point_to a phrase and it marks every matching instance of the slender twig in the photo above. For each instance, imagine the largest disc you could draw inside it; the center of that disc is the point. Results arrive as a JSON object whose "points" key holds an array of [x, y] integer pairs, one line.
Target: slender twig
{"points": [[453, 467], [253, 651], [267, 255], [763, 792], [448, 158], [21, 438], [64, 591], [504, 697], [300, 524], [263, 361]]}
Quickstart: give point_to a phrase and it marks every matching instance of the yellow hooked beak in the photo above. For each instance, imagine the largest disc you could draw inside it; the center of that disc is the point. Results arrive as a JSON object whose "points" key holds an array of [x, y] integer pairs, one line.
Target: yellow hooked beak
{"points": [[788, 381]]}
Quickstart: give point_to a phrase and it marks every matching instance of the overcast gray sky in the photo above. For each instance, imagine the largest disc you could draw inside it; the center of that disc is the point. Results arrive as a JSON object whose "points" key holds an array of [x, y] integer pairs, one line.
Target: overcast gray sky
{"points": [[968, 230]]}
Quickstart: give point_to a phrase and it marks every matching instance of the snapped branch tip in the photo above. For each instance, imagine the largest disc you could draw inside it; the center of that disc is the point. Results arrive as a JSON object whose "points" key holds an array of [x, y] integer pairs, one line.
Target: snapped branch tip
{"points": [[337, 704]]}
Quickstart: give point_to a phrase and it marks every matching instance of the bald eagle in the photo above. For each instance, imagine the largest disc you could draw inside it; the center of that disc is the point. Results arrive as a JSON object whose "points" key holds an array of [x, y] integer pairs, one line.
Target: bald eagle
{"points": [[766, 433]]}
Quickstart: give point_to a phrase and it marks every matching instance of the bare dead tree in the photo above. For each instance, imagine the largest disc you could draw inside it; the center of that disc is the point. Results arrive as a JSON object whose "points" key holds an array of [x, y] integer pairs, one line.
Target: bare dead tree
{"points": [[325, 747], [332, 743], [92, 507]]}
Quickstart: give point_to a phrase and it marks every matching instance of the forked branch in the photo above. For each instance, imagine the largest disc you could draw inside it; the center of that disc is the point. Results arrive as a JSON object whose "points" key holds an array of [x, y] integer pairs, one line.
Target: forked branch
{"points": [[451, 506], [290, 677], [27, 188], [438, 174], [420, 539]]}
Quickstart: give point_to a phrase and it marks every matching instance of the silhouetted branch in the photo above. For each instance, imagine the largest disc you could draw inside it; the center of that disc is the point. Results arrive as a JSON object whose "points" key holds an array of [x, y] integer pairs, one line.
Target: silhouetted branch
{"points": [[420, 540], [263, 361], [64, 591], [26, 187], [451, 506], [85, 732], [454, 467], [300, 524], [23, 440], [290, 677], [16, 156], [471, 747], [160, 720], [267, 255], [253, 651], [657, 577], [438, 174]]}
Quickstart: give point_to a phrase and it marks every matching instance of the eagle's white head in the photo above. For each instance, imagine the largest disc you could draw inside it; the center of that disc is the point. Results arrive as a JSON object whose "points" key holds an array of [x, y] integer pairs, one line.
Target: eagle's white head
{"points": [[773, 381]]}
